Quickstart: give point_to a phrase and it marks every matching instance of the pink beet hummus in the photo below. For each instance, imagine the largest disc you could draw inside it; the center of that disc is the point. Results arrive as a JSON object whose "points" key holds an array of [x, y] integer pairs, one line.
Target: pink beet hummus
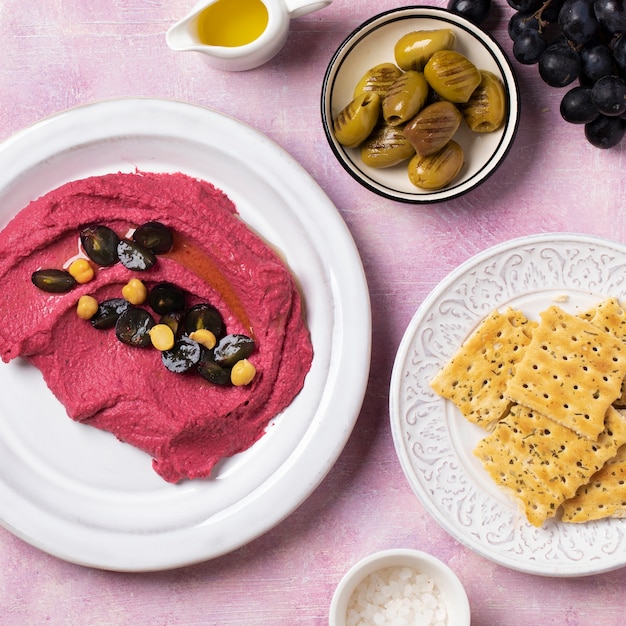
{"points": [[184, 422]]}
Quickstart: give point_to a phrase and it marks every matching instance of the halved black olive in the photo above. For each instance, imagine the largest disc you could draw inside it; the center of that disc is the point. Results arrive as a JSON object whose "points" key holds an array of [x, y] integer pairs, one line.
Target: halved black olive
{"points": [[211, 371], [108, 313], [135, 257], [204, 316], [183, 356], [165, 298], [233, 348], [172, 320], [154, 236], [100, 244], [133, 327], [53, 281]]}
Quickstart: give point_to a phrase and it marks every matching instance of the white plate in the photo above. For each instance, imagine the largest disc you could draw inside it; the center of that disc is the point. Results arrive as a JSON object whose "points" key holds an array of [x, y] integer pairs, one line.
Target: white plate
{"points": [[78, 493], [435, 443]]}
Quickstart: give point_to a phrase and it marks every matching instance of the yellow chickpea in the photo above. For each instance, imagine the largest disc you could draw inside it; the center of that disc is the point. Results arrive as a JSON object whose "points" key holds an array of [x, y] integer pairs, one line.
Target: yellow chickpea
{"points": [[81, 270], [242, 373], [162, 337], [204, 337], [86, 307], [135, 291]]}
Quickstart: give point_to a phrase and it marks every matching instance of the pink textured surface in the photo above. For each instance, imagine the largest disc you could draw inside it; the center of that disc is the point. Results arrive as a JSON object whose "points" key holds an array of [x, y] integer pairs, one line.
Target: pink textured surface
{"points": [[60, 54]]}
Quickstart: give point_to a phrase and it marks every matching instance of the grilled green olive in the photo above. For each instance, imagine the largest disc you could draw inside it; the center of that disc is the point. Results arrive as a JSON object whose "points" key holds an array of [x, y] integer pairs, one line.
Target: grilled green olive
{"points": [[386, 146], [357, 120], [436, 170], [432, 128], [413, 50], [452, 75], [405, 98], [378, 79], [485, 110]]}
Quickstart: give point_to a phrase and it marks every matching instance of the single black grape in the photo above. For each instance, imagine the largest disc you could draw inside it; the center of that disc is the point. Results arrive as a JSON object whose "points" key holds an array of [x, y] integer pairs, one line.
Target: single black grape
{"points": [[577, 107], [609, 95], [525, 6], [596, 61], [605, 132], [559, 65], [529, 46], [475, 11], [519, 22], [611, 14], [578, 21]]}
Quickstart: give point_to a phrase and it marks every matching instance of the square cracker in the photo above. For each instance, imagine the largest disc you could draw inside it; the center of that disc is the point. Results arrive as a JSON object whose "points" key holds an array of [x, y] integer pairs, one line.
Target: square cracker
{"points": [[610, 316], [542, 463], [475, 377], [604, 495], [571, 371]]}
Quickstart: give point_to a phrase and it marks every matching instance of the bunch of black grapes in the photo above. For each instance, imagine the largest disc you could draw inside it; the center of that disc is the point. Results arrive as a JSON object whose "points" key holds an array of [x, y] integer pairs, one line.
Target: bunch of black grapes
{"points": [[580, 42]]}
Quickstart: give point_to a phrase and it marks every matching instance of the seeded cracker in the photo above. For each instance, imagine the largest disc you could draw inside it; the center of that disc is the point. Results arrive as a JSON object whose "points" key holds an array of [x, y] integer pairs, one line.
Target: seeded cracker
{"points": [[611, 317], [571, 371], [604, 495], [542, 463], [475, 377]]}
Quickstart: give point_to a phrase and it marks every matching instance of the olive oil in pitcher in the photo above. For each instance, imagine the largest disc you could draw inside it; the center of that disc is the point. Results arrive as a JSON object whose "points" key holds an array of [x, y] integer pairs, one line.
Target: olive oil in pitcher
{"points": [[232, 23]]}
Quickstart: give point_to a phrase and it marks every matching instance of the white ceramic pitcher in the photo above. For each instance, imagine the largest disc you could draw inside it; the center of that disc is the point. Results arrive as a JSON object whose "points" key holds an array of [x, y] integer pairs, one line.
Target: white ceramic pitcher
{"points": [[238, 35]]}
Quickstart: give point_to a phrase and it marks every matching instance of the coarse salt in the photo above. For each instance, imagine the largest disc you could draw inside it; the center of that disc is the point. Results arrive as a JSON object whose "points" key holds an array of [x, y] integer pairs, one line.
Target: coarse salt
{"points": [[397, 596]]}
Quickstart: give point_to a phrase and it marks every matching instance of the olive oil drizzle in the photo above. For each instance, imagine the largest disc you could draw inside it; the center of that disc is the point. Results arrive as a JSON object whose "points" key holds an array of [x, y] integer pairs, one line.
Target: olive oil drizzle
{"points": [[186, 253]]}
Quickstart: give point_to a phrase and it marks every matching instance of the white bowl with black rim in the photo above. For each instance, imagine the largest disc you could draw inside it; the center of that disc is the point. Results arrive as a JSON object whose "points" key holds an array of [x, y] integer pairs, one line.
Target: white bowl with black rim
{"points": [[373, 43]]}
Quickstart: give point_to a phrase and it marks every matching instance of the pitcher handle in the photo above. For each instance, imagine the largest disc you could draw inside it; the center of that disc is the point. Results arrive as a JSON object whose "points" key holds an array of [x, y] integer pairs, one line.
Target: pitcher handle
{"points": [[297, 8]]}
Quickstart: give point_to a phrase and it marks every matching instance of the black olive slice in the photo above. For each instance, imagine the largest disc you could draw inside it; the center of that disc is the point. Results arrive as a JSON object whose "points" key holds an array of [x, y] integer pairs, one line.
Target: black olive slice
{"points": [[108, 312], [183, 356], [133, 327], [135, 257], [204, 316], [165, 298], [154, 236], [233, 348], [53, 281], [211, 371], [100, 244]]}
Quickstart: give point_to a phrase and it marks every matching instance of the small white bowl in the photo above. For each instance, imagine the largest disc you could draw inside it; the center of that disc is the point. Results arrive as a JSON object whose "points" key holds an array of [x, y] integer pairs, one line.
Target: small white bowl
{"points": [[373, 43], [449, 586]]}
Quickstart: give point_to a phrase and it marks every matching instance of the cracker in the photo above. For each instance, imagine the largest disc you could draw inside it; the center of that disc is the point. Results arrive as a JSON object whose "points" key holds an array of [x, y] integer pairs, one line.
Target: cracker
{"points": [[571, 371], [543, 463], [474, 379], [604, 495], [611, 317]]}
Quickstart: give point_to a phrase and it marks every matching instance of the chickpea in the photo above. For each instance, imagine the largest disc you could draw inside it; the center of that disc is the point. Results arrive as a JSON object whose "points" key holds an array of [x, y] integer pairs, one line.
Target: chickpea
{"points": [[81, 270], [135, 291], [243, 373], [162, 337], [86, 307], [204, 337]]}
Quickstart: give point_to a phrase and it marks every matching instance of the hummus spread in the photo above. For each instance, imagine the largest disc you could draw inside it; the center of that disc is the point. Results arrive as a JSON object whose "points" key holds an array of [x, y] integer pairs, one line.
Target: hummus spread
{"points": [[184, 422]]}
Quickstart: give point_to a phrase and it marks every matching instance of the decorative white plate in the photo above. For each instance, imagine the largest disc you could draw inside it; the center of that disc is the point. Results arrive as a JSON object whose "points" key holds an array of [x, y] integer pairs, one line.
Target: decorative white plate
{"points": [[78, 493], [435, 443]]}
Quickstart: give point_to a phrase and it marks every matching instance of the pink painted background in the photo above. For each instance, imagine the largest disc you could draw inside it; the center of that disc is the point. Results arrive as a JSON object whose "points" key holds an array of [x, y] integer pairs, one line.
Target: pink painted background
{"points": [[61, 53]]}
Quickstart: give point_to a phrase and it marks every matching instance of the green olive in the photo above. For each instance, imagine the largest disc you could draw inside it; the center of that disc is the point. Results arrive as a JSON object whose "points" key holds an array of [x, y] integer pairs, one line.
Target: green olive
{"points": [[452, 75], [485, 110], [413, 50], [357, 119], [378, 79], [386, 147], [405, 98], [437, 170], [433, 127]]}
